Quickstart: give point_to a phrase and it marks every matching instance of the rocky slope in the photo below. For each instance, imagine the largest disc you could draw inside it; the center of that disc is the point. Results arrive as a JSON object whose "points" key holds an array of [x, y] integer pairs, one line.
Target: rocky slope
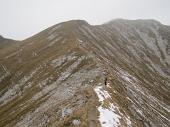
{"points": [[75, 74]]}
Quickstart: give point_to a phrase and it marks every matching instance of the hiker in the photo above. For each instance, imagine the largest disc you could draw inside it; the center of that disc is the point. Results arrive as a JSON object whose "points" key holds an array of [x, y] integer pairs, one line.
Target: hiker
{"points": [[105, 81], [105, 74]]}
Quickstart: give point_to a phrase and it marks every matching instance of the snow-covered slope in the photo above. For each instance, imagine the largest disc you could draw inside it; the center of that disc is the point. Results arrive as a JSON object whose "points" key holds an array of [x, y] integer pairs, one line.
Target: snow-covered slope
{"points": [[75, 74]]}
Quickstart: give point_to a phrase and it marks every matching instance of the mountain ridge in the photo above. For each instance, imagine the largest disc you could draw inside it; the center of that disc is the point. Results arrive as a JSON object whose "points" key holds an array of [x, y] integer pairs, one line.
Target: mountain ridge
{"points": [[74, 73]]}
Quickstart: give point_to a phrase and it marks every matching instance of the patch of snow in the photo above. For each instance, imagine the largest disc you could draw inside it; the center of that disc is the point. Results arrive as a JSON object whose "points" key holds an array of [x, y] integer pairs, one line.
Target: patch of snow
{"points": [[101, 93], [108, 116]]}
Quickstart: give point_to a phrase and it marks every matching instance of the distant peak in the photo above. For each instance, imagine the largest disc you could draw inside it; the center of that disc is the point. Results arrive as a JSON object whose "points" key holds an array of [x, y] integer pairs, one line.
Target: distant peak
{"points": [[71, 25], [135, 21], [75, 23], [80, 22]]}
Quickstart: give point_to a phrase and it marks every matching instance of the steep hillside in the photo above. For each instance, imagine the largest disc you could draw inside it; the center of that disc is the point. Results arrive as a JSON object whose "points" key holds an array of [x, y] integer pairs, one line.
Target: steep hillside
{"points": [[136, 54], [76, 74]]}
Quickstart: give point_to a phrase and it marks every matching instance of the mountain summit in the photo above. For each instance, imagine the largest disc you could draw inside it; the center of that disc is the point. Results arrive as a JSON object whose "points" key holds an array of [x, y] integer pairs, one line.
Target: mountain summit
{"points": [[75, 74]]}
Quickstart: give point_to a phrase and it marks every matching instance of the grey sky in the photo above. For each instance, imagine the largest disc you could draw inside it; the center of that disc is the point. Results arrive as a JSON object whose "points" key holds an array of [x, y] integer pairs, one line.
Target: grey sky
{"points": [[21, 19]]}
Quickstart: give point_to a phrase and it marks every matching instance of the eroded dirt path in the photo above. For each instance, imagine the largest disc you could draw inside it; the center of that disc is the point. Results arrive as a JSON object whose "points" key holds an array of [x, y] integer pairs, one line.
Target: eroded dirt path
{"points": [[92, 115]]}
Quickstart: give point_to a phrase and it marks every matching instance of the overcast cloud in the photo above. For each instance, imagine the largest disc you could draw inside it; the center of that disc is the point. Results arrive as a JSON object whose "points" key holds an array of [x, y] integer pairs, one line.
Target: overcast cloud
{"points": [[20, 19]]}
